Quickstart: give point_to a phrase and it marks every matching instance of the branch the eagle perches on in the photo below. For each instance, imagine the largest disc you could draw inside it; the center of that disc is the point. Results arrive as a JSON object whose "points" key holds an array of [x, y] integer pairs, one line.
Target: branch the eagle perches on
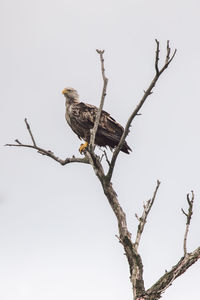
{"points": [[125, 237]]}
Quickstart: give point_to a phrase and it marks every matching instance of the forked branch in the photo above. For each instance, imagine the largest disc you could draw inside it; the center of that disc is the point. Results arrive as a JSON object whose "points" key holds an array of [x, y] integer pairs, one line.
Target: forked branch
{"points": [[48, 153], [188, 218], [183, 264], [147, 93], [142, 220]]}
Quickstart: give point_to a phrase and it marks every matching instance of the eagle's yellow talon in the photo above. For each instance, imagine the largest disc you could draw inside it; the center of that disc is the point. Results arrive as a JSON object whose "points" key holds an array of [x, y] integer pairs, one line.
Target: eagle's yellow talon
{"points": [[83, 147]]}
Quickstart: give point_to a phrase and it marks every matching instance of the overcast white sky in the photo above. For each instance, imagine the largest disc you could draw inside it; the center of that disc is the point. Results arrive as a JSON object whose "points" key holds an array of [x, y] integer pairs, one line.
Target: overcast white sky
{"points": [[57, 231]]}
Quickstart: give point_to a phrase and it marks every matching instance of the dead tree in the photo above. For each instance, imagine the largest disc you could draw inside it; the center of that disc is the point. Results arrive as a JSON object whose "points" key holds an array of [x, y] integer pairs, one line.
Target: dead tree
{"points": [[129, 244]]}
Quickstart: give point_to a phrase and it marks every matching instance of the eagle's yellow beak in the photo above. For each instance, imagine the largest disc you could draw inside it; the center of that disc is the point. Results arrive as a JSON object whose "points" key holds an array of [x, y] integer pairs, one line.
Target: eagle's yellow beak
{"points": [[64, 91]]}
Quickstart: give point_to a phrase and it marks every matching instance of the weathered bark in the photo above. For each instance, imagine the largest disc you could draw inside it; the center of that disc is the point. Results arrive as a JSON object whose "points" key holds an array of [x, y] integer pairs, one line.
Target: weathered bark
{"points": [[133, 257], [131, 248], [167, 279]]}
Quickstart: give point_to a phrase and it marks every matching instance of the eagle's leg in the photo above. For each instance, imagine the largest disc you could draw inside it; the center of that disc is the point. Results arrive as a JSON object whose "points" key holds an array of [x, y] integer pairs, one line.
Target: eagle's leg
{"points": [[83, 147]]}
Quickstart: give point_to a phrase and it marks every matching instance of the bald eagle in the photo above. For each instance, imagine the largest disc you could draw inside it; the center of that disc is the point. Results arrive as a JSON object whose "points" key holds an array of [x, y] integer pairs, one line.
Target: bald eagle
{"points": [[81, 117]]}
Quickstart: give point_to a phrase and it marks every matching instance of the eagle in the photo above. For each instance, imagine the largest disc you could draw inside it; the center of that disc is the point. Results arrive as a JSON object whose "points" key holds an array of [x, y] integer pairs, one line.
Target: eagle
{"points": [[81, 118]]}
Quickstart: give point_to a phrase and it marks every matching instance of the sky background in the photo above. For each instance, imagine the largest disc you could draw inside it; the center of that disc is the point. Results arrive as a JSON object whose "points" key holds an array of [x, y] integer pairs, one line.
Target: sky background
{"points": [[57, 231]]}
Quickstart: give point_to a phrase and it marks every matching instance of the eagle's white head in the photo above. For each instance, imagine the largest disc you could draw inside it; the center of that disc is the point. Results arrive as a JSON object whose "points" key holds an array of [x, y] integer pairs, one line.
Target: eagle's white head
{"points": [[71, 95]]}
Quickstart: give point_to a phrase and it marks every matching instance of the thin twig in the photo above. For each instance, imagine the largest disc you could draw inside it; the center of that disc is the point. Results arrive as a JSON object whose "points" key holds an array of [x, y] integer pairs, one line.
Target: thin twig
{"points": [[189, 217], [105, 155], [143, 218], [120, 241], [30, 132], [157, 56], [93, 131], [147, 93], [168, 59], [168, 53]]}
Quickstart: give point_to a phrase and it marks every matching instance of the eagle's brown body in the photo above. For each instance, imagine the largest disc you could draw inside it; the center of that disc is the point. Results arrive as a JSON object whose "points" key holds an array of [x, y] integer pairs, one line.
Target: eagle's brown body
{"points": [[81, 118]]}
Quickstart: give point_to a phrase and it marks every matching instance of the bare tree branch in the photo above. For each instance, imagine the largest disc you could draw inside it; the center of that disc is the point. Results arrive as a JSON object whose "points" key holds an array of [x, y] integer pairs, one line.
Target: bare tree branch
{"points": [[48, 153], [140, 104], [93, 131], [184, 263], [189, 217], [143, 218], [167, 59], [167, 279]]}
